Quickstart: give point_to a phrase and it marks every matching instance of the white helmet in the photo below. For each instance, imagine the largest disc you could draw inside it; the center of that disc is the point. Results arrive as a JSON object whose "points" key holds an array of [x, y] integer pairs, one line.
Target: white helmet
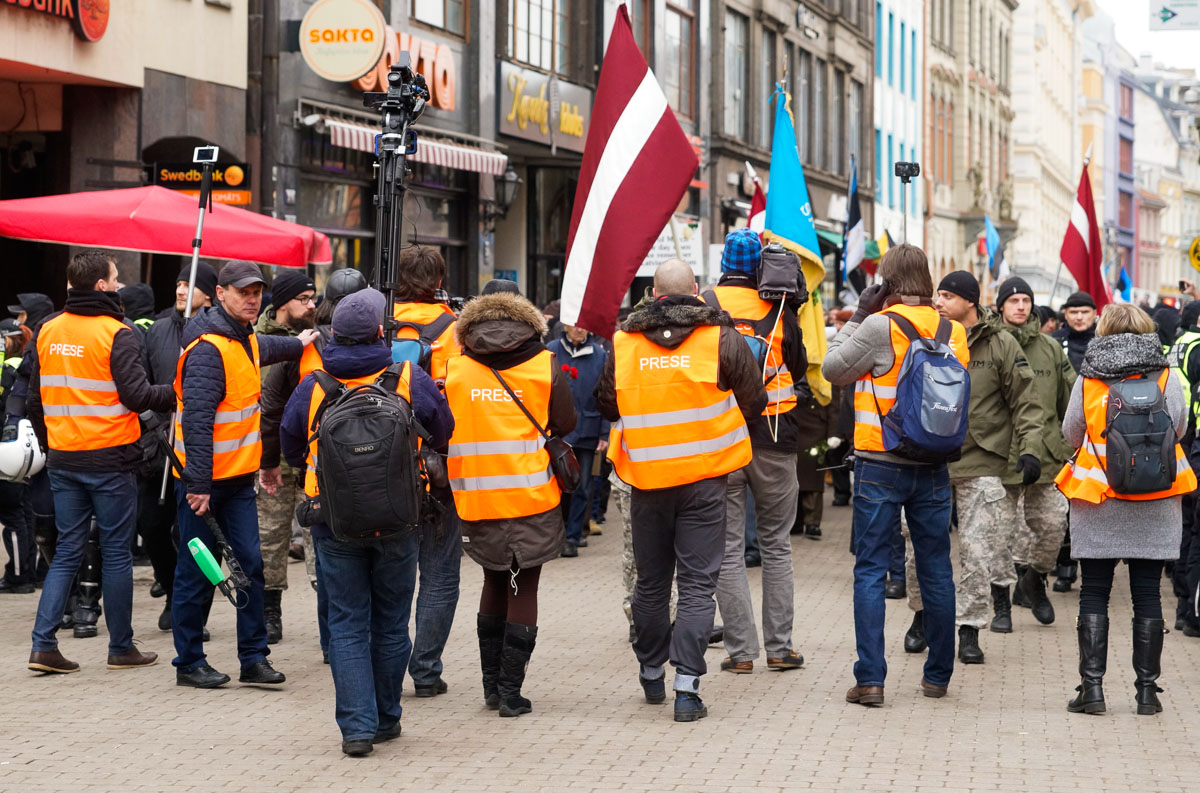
{"points": [[23, 457]]}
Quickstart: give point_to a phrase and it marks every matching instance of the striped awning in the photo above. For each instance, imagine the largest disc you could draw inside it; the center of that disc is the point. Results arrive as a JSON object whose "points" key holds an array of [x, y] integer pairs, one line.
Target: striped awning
{"points": [[433, 152]]}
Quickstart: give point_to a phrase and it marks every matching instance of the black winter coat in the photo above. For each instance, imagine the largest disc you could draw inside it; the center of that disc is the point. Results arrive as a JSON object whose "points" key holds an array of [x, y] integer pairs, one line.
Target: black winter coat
{"points": [[204, 388]]}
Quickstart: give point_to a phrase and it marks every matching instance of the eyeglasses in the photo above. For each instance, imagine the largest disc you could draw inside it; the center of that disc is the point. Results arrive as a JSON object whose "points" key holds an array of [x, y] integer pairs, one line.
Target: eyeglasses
{"points": [[304, 300]]}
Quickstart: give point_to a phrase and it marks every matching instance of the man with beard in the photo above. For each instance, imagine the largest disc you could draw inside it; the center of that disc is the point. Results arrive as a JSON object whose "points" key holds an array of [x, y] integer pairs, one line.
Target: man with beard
{"points": [[292, 309]]}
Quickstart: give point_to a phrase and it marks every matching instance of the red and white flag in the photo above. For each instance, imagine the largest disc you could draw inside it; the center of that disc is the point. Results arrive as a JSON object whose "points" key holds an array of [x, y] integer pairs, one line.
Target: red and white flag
{"points": [[637, 165], [1081, 249], [758, 209]]}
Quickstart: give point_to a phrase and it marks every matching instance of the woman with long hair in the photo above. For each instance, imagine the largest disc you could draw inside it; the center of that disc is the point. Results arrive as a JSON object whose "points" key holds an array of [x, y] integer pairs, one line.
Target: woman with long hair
{"points": [[1116, 514]]}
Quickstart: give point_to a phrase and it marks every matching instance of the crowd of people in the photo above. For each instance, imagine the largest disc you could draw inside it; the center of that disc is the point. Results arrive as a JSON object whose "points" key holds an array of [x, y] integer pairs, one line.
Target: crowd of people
{"points": [[696, 427]]}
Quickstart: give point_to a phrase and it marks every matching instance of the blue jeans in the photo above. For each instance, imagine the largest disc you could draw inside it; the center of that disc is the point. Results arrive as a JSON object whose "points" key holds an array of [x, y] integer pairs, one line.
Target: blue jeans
{"points": [[112, 498], [235, 511], [322, 606], [370, 590], [881, 489], [896, 565], [439, 560], [578, 511]]}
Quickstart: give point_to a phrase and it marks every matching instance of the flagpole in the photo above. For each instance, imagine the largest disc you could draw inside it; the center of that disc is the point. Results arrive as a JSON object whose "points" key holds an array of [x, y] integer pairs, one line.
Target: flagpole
{"points": [[1087, 159]]}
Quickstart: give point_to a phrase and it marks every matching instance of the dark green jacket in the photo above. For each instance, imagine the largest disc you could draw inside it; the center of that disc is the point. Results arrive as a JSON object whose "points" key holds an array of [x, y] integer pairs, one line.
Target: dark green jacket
{"points": [[1002, 410], [1053, 379]]}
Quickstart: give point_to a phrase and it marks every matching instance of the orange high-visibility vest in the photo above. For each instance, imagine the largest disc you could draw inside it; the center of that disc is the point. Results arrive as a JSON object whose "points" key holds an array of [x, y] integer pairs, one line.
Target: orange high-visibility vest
{"points": [[237, 445], [443, 348], [747, 308], [403, 389], [310, 359], [1084, 477], [677, 427], [79, 397], [497, 460], [874, 396]]}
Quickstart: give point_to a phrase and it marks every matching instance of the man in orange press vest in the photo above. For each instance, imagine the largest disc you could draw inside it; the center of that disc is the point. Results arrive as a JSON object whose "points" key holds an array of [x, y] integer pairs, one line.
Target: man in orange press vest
{"points": [[680, 387], [771, 475], [217, 436], [426, 337], [869, 352], [87, 387]]}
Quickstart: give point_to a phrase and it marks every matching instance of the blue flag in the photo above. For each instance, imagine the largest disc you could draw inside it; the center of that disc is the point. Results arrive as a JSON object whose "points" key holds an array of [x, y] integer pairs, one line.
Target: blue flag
{"points": [[991, 238], [789, 219]]}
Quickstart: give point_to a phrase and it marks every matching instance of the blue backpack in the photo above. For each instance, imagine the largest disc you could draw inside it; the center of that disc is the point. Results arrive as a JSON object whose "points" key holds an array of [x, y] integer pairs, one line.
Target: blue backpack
{"points": [[418, 351], [928, 421]]}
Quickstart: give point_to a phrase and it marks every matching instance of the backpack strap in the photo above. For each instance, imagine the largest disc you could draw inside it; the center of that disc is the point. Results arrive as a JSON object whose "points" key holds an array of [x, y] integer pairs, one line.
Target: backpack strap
{"points": [[520, 404], [943, 332], [910, 330], [390, 378], [431, 332], [709, 296], [332, 387]]}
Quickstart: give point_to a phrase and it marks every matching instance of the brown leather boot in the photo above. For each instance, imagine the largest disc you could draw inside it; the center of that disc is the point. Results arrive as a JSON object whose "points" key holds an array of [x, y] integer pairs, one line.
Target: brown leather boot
{"points": [[51, 661], [133, 659]]}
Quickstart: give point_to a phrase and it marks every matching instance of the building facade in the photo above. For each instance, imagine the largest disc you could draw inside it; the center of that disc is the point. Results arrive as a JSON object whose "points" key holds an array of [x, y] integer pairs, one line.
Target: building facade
{"points": [[899, 98], [822, 53], [93, 101], [968, 123], [1046, 154]]}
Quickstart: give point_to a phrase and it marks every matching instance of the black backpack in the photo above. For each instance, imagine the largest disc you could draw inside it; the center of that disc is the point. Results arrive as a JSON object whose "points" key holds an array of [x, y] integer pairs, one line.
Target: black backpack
{"points": [[1140, 438], [370, 481]]}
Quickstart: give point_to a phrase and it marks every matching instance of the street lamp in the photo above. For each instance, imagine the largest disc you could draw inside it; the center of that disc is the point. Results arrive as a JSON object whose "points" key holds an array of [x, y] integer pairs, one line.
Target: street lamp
{"points": [[507, 187]]}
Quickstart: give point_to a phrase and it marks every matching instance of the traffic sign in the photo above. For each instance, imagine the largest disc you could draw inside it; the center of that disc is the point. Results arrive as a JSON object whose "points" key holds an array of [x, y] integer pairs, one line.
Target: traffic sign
{"points": [[1194, 253], [1174, 14]]}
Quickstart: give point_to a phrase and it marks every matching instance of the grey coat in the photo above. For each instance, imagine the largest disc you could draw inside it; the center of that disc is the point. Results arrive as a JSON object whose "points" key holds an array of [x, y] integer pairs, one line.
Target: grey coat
{"points": [[1119, 529]]}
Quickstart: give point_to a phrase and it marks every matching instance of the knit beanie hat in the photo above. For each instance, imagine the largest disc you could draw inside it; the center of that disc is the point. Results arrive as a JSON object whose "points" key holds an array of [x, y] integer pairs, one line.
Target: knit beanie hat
{"points": [[961, 283], [743, 252], [1012, 286], [1079, 300]]}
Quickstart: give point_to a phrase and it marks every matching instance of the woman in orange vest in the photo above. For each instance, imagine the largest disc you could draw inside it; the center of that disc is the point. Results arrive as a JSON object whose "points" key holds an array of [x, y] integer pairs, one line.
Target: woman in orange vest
{"points": [[504, 491], [1106, 526]]}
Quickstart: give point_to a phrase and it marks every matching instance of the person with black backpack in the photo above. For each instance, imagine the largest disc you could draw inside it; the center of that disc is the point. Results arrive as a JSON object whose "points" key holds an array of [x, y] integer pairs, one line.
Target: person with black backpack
{"points": [[353, 426], [905, 430], [1125, 486]]}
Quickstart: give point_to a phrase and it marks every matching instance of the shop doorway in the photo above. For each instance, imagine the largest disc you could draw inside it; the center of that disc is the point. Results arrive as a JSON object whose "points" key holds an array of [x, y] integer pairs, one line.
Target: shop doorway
{"points": [[551, 198]]}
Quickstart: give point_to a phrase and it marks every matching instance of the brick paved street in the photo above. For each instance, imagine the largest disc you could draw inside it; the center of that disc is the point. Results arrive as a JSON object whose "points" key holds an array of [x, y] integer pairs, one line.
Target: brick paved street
{"points": [[1002, 727]]}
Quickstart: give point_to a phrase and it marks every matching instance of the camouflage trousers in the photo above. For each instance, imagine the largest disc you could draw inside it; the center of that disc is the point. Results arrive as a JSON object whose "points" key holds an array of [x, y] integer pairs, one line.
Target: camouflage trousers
{"points": [[275, 516], [986, 520], [1036, 539], [620, 498]]}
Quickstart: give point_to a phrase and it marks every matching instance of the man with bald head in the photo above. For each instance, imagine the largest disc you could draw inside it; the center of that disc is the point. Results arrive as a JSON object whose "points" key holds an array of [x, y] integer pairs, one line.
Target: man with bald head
{"points": [[679, 388]]}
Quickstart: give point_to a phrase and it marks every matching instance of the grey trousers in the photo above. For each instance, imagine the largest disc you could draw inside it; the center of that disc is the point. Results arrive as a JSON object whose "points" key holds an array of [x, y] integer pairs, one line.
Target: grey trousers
{"points": [[772, 477], [678, 532]]}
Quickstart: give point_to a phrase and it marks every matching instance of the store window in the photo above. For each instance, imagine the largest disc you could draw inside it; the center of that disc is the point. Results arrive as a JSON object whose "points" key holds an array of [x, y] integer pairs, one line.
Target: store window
{"points": [[820, 149], [538, 34], [767, 89], [679, 60], [551, 197], [737, 58], [435, 214], [639, 19], [448, 14], [803, 109]]}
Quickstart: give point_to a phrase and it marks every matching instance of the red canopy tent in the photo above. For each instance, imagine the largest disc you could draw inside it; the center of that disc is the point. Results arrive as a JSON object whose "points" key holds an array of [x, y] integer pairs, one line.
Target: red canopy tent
{"points": [[158, 220]]}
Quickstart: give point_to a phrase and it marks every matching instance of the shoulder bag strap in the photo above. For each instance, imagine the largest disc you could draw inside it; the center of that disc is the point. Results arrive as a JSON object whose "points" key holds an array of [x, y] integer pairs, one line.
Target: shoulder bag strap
{"points": [[332, 388], [520, 404]]}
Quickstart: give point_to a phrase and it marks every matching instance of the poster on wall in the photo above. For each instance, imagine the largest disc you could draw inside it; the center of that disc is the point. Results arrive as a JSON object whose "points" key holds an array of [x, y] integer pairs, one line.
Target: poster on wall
{"points": [[683, 238]]}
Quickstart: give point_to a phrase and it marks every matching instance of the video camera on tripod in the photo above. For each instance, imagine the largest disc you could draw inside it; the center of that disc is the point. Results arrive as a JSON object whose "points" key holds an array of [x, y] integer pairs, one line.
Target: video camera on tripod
{"points": [[401, 105]]}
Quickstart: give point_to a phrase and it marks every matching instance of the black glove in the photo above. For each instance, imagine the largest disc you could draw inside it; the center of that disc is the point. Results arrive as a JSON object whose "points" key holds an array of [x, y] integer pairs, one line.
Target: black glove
{"points": [[870, 301], [9, 433], [1030, 468]]}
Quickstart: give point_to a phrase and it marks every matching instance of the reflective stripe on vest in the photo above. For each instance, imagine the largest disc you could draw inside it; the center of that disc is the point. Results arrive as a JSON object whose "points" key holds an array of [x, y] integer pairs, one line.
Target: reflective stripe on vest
{"points": [[497, 461], [403, 388], [704, 434], [1084, 477], [237, 443], [874, 396], [79, 397], [747, 308], [443, 348]]}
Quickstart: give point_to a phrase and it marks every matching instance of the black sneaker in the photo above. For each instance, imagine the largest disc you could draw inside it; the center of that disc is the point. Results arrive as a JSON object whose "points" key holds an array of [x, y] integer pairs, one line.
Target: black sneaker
{"points": [[201, 677], [654, 689], [431, 690], [357, 748], [812, 532], [570, 550], [9, 588], [262, 674], [388, 734], [164, 619]]}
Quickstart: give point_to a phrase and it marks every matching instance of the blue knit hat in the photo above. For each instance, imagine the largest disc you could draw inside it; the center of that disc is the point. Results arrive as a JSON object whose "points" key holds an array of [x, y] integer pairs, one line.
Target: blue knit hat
{"points": [[743, 252]]}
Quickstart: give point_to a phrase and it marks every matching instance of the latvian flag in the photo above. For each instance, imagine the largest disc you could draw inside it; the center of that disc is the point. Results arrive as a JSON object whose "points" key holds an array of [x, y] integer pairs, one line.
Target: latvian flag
{"points": [[1081, 251], [637, 165]]}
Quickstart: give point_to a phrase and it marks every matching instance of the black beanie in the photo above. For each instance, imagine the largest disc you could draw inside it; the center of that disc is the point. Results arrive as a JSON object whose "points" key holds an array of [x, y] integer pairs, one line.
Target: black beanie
{"points": [[1013, 286], [288, 284], [1079, 300], [961, 283], [1189, 315], [206, 278]]}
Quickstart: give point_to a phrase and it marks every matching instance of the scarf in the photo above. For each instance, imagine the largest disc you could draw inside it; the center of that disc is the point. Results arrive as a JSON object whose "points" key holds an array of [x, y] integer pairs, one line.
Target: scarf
{"points": [[1122, 355]]}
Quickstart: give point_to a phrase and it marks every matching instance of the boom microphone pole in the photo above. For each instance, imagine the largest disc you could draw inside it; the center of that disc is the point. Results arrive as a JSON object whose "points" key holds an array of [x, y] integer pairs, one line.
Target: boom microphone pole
{"points": [[400, 105]]}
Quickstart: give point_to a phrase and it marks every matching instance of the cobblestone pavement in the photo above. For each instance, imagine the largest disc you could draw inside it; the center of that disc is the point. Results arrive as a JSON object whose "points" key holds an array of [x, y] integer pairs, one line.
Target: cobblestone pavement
{"points": [[1003, 726]]}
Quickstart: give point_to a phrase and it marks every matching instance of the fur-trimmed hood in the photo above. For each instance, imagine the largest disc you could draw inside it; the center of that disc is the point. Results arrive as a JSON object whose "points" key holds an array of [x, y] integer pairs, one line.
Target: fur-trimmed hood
{"points": [[499, 322], [667, 322]]}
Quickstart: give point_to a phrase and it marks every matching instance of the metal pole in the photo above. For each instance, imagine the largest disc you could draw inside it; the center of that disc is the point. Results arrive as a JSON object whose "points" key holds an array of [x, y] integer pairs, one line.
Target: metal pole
{"points": [[903, 214]]}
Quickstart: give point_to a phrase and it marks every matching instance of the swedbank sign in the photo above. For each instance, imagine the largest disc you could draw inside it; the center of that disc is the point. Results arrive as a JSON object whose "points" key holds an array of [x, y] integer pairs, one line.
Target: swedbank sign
{"points": [[341, 40]]}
